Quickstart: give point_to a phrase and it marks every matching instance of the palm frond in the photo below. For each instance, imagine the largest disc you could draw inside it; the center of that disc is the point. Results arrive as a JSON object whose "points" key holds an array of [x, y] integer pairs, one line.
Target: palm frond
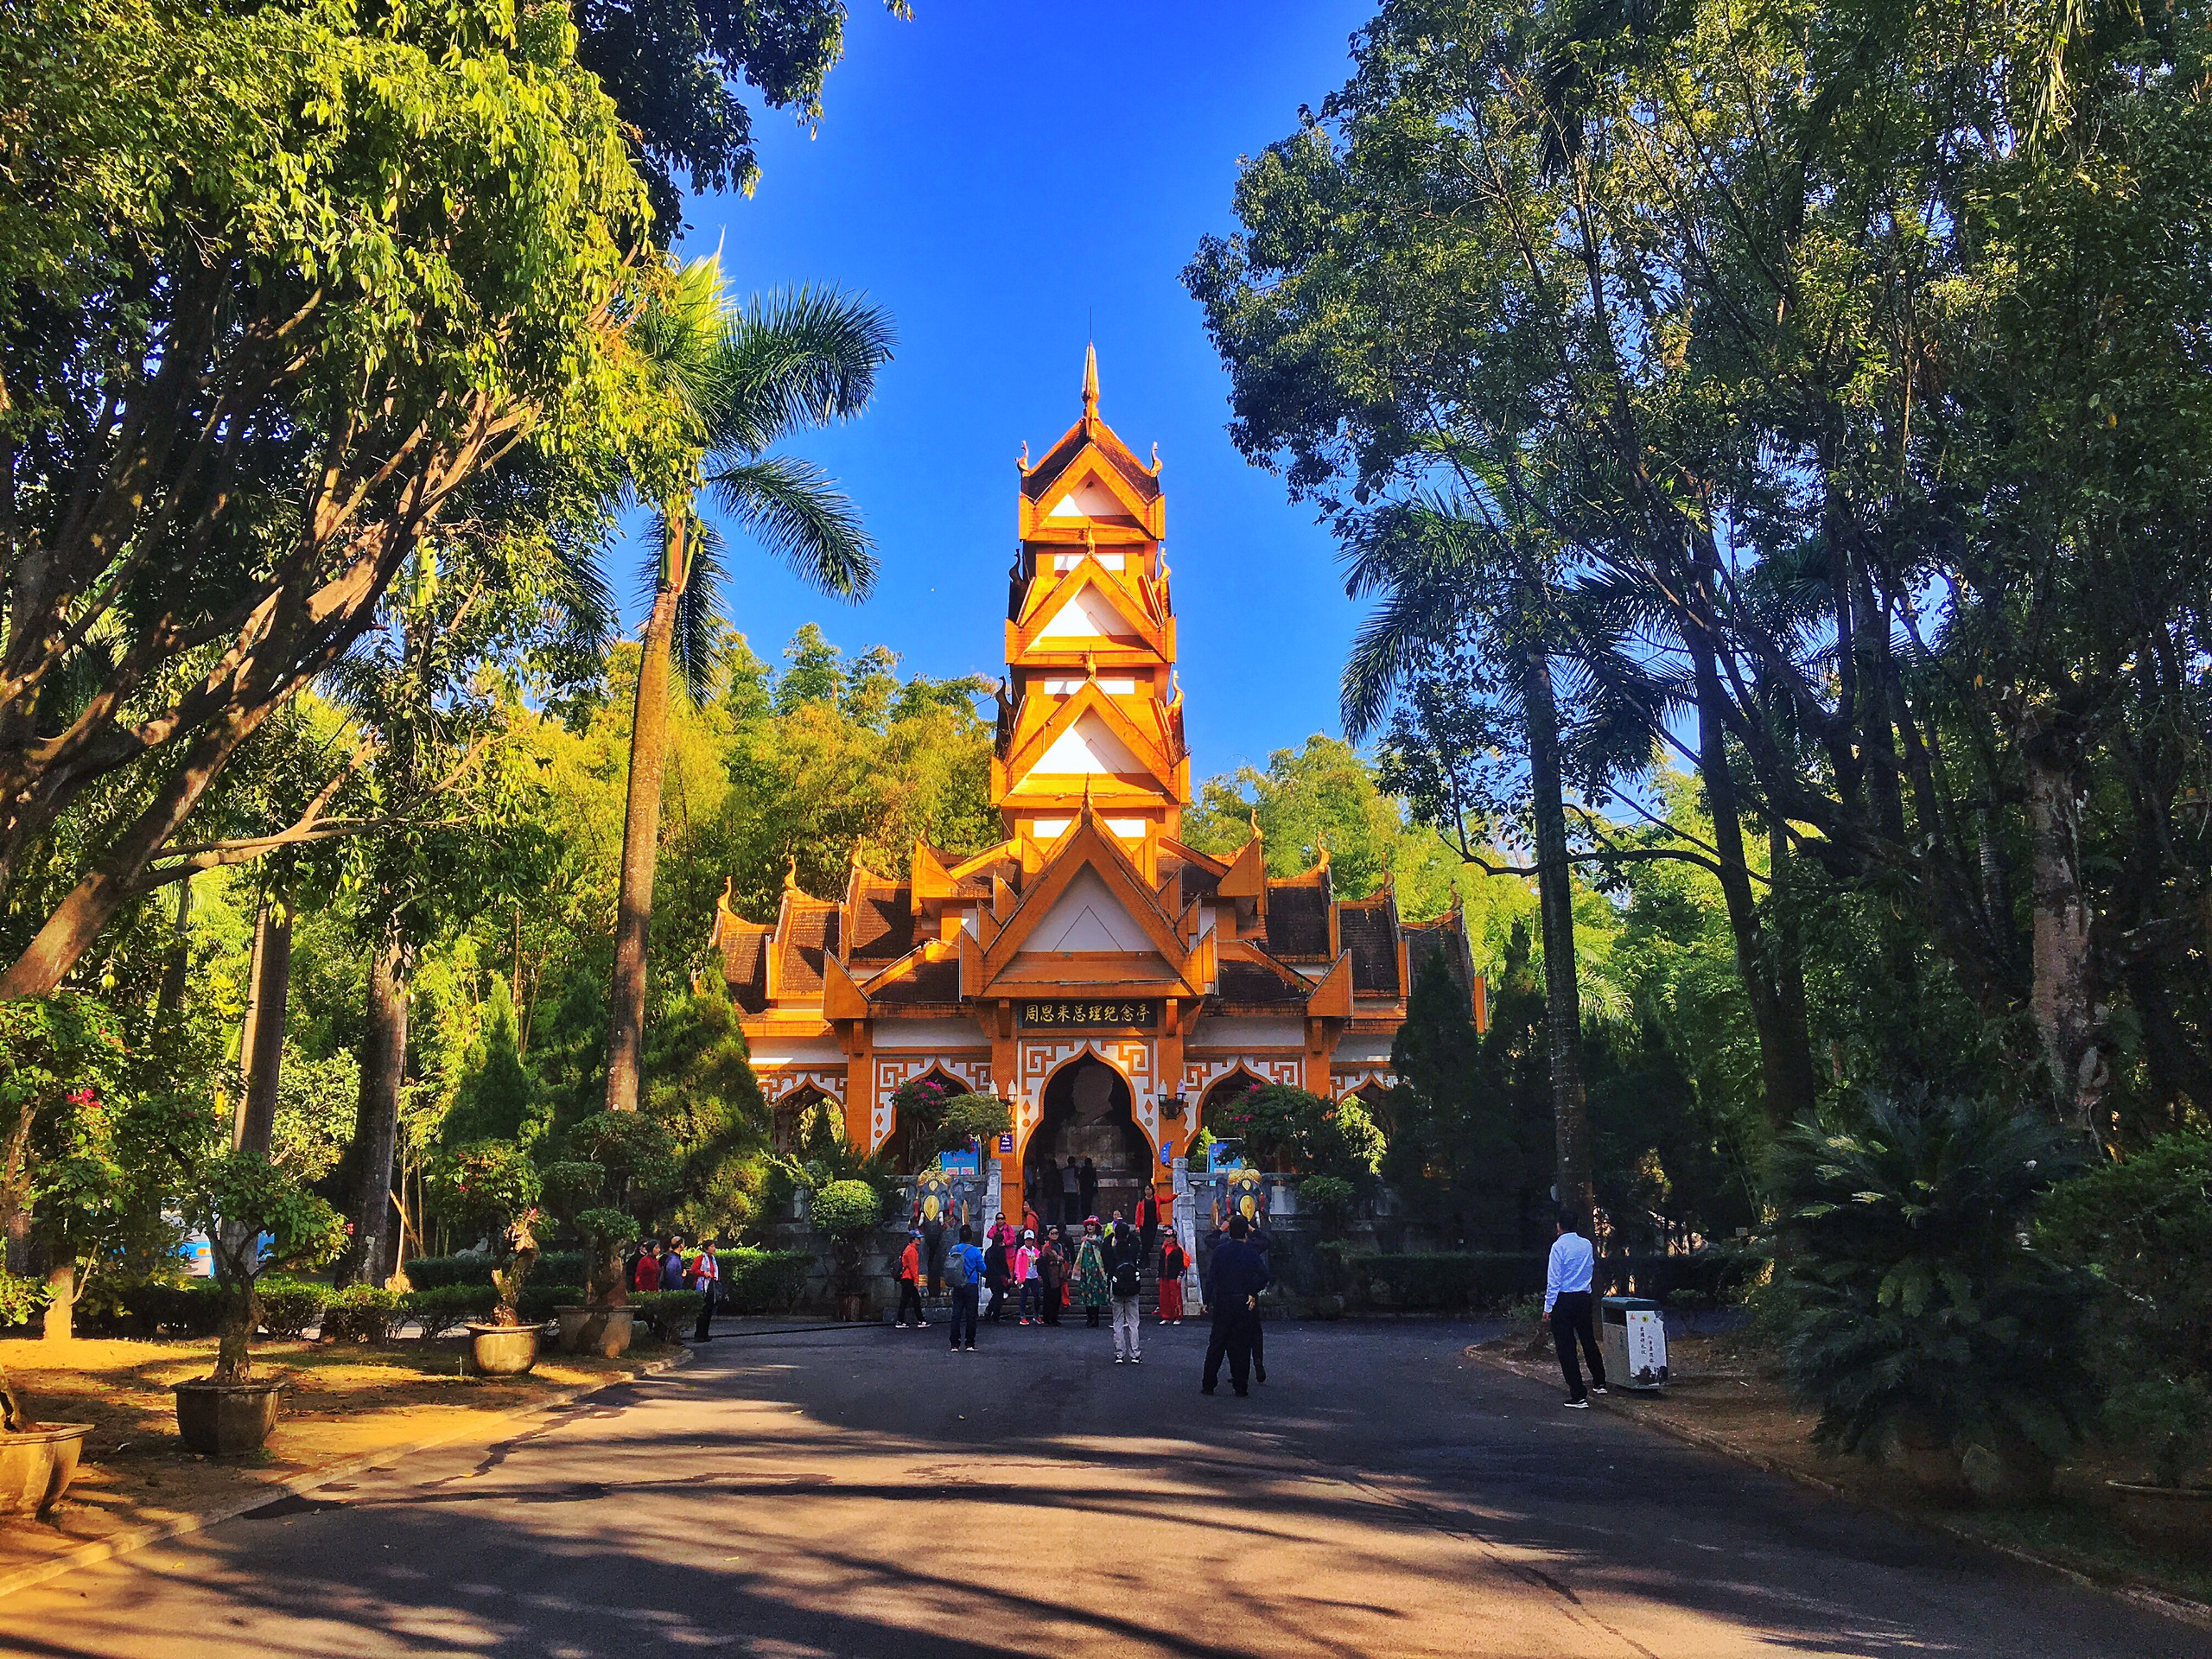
{"points": [[795, 358], [700, 646], [796, 509]]}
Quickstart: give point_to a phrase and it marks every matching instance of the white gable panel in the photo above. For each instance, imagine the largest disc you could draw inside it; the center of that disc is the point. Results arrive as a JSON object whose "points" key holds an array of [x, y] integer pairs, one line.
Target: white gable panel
{"points": [[1090, 500], [1088, 746], [1087, 917], [1089, 616]]}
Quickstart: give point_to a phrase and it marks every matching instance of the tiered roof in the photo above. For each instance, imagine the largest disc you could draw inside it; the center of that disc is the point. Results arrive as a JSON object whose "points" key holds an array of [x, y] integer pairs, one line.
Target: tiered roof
{"points": [[1091, 893]]}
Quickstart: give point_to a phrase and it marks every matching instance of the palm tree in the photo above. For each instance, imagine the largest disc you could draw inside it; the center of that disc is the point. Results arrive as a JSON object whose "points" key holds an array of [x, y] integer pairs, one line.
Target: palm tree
{"points": [[745, 378], [1465, 587]]}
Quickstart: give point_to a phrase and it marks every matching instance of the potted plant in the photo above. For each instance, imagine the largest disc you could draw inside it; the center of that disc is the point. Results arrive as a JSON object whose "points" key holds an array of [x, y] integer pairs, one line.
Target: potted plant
{"points": [[619, 1164], [848, 1211], [496, 1181], [256, 1216]]}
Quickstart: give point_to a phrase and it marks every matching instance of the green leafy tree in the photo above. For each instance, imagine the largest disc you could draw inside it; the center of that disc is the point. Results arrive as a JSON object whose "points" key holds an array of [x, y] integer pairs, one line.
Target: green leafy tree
{"points": [[229, 422], [238, 1199]]}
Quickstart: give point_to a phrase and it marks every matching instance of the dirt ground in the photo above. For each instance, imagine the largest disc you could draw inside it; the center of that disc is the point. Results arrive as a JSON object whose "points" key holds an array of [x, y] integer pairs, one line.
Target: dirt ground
{"points": [[1722, 1393], [342, 1402]]}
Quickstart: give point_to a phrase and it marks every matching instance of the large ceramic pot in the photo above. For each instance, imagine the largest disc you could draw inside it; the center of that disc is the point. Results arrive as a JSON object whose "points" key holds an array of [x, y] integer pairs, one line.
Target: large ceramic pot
{"points": [[226, 1419], [503, 1349], [602, 1330], [36, 1466]]}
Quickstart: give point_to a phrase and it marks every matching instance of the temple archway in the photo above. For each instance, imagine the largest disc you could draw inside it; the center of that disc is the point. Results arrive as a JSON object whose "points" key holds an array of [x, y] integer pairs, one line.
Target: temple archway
{"points": [[789, 1117], [904, 1141], [1223, 1090], [1087, 1113]]}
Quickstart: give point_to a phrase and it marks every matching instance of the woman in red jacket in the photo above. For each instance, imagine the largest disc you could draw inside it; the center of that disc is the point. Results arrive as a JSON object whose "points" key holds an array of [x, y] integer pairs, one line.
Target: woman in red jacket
{"points": [[1173, 1261]]}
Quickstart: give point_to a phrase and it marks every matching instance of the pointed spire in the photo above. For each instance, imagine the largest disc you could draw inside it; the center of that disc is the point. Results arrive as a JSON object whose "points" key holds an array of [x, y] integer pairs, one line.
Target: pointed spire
{"points": [[1090, 382], [1086, 798]]}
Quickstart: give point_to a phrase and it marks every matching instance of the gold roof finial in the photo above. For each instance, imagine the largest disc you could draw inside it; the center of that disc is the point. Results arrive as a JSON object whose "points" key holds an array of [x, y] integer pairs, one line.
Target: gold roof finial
{"points": [[1090, 382], [1022, 460], [1155, 461], [1255, 820], [791, 874]]}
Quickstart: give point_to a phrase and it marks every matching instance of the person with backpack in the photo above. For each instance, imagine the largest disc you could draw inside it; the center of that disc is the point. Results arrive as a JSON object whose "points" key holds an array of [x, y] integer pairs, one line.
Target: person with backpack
{"points": [[964, 1275], [1124, 1280], [909, 1280], [671, 1265]]}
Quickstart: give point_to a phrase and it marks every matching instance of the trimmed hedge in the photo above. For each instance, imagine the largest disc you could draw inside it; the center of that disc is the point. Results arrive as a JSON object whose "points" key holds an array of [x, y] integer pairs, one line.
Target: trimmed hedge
{"points": [[469, 1267], [1456, 1281], [363, 1313], [287, 1308], [763, 1282], [1447, 1281], [665, 1314], [445, 1309]]}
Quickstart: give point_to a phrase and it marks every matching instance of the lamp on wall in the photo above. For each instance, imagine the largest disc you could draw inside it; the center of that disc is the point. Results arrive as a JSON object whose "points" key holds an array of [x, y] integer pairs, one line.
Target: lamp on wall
{"points": [[1171, 1107]]}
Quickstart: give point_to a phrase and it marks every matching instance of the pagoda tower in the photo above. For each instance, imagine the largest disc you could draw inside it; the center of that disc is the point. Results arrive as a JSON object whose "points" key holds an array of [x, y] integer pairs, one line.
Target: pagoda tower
{"points": [[1091, 711]]}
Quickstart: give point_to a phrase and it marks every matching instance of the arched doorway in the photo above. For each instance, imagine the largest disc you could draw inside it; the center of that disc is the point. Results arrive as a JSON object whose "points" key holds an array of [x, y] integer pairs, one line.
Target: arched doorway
{"points": [[1087, 1114], [1223, 1090], [788, 1119], [905, 1142]]}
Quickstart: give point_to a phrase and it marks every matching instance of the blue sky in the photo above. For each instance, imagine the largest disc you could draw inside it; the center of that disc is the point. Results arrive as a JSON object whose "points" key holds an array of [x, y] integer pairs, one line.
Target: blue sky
{"points": [[994, 175]]}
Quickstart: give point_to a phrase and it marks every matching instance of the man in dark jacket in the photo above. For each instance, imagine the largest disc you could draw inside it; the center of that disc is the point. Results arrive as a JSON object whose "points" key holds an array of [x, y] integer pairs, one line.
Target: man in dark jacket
{"points": [[997, 1276], [1240, 1273]]}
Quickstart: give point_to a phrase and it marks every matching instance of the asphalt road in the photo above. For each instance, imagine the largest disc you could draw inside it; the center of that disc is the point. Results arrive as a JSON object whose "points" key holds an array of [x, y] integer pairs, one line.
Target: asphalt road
{"points": [[868, 1493]]}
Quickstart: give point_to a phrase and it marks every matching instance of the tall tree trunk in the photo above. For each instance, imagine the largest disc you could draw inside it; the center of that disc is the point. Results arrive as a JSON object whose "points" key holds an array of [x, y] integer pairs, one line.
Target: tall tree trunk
{"points": [[170, 998], [376, 1121], [1555, 909], [254, 1125], [1785, 1054], [55, 1324], [633, 907], [2062, 993]]}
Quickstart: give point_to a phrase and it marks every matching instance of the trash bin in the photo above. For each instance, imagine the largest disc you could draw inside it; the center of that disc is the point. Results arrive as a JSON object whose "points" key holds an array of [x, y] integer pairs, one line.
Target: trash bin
{"points": [[1632, 1336]]}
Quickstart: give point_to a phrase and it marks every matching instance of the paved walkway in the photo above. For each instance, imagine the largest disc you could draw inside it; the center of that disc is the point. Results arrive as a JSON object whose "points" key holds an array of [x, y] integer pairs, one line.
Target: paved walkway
{"points": [[867, 1493]]}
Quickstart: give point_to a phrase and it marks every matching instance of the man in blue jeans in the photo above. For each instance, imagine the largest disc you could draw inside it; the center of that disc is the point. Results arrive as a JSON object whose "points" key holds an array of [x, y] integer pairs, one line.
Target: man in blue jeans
{"points": [[963, 1273]]}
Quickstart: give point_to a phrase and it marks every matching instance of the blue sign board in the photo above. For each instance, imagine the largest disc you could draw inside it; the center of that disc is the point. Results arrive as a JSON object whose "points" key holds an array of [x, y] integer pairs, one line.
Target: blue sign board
{"points": [[960, 1163], [1006, 1144]]}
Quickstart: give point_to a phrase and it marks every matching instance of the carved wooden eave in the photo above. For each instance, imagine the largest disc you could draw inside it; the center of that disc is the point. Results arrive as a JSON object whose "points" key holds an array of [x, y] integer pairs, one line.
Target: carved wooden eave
{"points": [[1089, 845]]}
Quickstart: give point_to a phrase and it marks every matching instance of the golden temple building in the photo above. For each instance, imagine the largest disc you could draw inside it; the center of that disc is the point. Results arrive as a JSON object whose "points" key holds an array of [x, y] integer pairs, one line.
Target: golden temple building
{"points": [[1110, 982]]}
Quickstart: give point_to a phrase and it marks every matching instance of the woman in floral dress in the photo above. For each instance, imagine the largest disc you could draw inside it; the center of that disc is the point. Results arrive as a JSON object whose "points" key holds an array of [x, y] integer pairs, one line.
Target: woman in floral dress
{"points": [[1092, 1289]]}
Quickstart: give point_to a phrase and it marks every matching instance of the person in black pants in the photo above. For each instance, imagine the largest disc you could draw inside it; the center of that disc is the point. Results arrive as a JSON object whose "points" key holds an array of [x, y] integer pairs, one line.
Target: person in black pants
{"points": [[1240, 1273], [1568, 1293], [1265, 1246], [966, 1266]]}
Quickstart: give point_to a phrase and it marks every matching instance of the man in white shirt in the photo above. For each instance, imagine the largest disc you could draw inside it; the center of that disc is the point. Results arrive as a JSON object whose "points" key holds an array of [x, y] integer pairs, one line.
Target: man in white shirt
{"points": [[1567, 1294]]}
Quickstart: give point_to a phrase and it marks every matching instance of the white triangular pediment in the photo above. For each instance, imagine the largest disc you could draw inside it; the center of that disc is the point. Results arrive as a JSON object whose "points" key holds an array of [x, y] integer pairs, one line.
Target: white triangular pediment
{"points": [[1090, 500], [1088, 614], [1088, 746], [1088, 917]]}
